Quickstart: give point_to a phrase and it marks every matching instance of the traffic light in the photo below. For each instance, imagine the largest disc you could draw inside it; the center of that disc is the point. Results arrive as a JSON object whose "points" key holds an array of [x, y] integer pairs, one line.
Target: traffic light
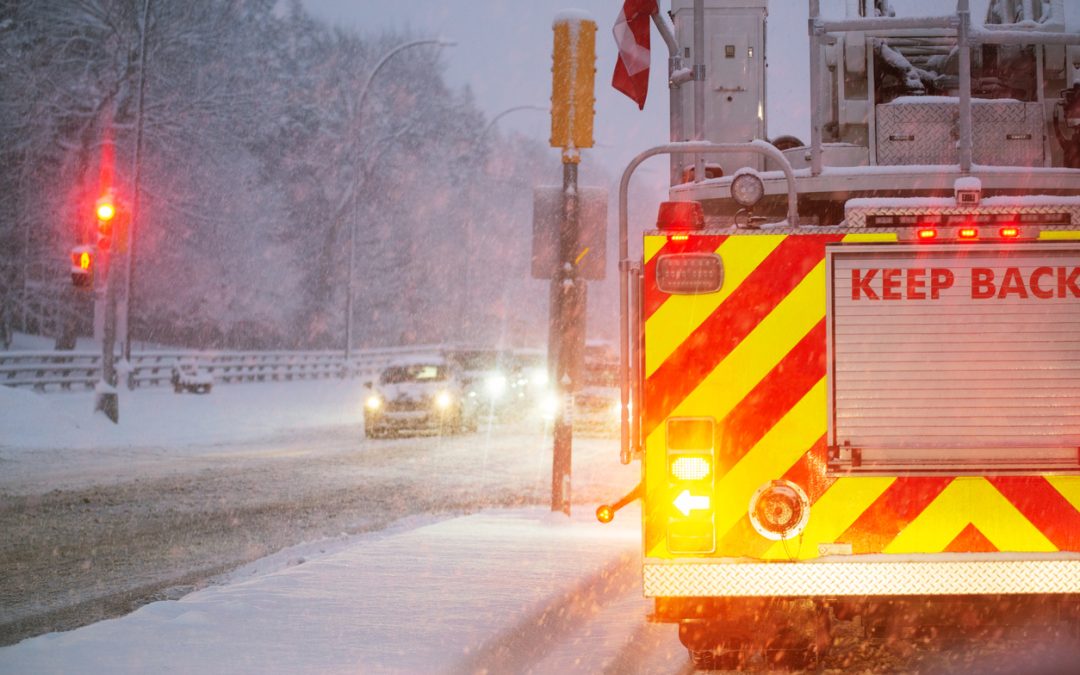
{"points": [[105, 210], [82, 266], [573, 74]]}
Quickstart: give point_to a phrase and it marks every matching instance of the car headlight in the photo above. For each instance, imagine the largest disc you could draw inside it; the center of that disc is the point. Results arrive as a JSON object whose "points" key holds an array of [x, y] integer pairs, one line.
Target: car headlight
{"points": [[495, 385], [373, 402], [549, 405], [443, 400]]}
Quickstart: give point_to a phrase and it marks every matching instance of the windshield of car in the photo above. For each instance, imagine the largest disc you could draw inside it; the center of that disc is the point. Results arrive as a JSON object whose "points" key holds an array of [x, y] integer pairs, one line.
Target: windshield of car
{"points": [[413, 373]]}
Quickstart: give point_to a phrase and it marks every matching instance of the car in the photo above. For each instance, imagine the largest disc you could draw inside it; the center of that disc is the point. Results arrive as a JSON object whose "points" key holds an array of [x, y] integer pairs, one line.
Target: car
{"points": [[191, 378], [419, 394], [487, 375]]}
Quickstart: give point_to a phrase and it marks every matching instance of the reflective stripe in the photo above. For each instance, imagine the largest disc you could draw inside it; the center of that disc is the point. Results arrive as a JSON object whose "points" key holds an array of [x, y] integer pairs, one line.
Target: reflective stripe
{"points": [[974, 501], [859, 578], [677, 318]]}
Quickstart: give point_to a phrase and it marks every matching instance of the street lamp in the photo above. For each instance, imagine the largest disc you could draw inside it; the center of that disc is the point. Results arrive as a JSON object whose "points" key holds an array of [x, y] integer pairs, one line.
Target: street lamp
{"points": [[352, 229], [507, 112], [464, 306]]}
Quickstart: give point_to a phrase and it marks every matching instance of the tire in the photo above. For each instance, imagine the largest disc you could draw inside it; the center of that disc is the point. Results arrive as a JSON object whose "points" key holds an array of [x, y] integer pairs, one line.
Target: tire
{"points": [[709, 659]]}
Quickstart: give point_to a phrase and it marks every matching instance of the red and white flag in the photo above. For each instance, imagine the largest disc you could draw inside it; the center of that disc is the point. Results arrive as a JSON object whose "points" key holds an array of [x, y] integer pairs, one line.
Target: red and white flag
{"points": [[632, 37]]}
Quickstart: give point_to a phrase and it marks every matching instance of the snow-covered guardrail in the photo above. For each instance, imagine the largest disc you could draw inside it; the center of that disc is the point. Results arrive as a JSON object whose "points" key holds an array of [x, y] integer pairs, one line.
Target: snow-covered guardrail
{"points": [[50, 370]]}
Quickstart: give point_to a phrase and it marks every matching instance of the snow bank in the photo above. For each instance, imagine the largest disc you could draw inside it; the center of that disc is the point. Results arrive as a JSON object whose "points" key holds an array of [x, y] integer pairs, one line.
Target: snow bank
{"points": [[159, 417], [458, 595]]}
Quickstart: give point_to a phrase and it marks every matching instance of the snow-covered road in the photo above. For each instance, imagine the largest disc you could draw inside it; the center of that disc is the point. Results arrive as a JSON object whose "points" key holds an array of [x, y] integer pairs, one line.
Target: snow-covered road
{"points": [[95, 531]]}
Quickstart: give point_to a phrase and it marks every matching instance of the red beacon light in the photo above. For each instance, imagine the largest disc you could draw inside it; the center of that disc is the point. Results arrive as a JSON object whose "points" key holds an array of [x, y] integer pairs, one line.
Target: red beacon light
{"points": [[1010, 232], [105, 209], [968, 233], [680, 218], [926, 233]]}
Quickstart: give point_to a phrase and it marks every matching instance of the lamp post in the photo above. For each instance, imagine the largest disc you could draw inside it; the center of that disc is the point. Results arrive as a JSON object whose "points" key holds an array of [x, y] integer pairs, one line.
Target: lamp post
{"points": [[507, 112], [464, 306], [352, 229], [129, 259]]}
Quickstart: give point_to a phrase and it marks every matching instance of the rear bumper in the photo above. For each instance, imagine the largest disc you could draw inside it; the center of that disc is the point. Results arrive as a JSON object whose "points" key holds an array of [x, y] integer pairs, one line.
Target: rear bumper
{"points": [[864, 576]]}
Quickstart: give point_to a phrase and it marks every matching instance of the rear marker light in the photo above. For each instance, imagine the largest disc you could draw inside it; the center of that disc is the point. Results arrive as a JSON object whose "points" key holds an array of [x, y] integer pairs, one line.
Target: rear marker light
{"points": [[605, 514], [779, 510], [968, 233], [1010, 232], [926, 233]]}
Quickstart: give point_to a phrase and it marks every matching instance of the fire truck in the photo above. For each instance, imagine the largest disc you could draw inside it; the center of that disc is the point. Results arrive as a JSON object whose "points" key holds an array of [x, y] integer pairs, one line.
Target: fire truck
{"points": [[850, 367]]}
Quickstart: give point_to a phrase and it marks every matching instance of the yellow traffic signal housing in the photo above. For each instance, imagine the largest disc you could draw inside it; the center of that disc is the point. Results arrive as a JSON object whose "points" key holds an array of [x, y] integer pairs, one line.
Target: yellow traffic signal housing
{"points": [[572, 83], [82, 267]]}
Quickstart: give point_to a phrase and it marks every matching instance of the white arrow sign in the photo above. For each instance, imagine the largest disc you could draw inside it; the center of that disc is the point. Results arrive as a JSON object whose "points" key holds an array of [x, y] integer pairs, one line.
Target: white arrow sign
{"points": [[687, 502]]}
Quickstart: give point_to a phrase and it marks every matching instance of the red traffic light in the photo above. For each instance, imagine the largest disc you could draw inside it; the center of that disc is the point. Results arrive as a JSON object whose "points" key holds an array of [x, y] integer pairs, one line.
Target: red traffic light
{"points": [[105, 209]]}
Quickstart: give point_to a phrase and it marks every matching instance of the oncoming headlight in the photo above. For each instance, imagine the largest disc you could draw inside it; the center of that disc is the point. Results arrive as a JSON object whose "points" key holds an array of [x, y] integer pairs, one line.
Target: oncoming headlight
{"points": [[549, 405], [495, 385], [443, 400], [373, 402], [747, 188]]}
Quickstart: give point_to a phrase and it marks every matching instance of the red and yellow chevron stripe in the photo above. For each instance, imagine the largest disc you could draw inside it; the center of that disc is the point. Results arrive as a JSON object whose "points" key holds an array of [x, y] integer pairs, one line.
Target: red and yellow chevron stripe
{"points": [[752, 357]]}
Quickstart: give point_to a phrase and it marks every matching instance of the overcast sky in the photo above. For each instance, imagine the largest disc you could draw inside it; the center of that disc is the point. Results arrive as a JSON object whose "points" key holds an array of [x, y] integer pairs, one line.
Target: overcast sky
{"points": [[504, 47]]}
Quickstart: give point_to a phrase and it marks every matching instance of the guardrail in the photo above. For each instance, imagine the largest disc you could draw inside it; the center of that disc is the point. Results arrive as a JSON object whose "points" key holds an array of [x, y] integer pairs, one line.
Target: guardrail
{"points": [[52, 370]]}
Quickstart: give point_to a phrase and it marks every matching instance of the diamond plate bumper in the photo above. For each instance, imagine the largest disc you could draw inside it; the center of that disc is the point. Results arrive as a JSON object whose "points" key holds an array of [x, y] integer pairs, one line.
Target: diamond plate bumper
{"points": [[860, 578]]}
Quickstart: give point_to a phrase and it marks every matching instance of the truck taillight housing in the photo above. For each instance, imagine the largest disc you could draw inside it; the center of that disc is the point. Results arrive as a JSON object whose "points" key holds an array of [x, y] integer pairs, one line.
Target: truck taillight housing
{"points": [[691, 524]]}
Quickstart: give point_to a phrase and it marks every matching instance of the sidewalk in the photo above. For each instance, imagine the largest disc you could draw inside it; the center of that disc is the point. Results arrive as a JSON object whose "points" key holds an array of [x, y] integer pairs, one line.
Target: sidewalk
{"points": [[491, 591]]}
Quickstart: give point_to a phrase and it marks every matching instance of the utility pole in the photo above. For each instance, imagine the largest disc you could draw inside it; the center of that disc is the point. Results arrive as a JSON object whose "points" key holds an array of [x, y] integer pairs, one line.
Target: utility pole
{"points": [[110, 219], [572, 101], [136, 161]]}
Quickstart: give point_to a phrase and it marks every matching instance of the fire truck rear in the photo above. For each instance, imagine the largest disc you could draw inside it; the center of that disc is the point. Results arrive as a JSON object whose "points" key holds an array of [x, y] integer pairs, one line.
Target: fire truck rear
{"points": [[851, 367]]}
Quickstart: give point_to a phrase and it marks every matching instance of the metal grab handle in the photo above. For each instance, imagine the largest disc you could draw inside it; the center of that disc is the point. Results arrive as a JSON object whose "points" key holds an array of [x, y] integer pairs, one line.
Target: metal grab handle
{"points": [[626, 452]]}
